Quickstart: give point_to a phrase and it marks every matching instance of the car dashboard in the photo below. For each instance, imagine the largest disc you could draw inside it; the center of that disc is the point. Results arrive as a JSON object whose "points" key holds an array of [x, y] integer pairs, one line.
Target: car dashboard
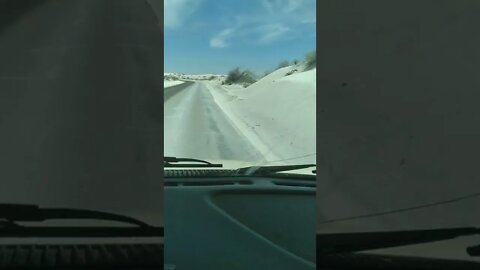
{"points": [[217, 221]]}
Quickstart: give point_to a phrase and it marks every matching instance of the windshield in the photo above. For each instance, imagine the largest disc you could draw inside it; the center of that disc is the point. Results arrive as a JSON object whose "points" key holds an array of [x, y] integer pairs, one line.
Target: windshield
{"points": [[80, 86], [399, 121], [240, 82]]}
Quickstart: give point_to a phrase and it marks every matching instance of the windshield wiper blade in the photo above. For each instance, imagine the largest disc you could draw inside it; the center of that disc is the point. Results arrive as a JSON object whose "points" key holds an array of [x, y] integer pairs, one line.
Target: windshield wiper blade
{"points": [[203, 163], [12, 213], [264, 170], [353, 242]]}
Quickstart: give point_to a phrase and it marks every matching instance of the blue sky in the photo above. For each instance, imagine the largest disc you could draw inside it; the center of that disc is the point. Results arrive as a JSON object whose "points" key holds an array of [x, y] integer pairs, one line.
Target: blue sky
{"points": [[214, 36]]}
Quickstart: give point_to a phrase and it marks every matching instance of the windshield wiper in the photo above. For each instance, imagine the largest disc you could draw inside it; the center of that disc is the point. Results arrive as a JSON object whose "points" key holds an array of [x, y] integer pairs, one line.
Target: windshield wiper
{"points": [[11, 214], [265, 170], [203, 163], [335, 243]]}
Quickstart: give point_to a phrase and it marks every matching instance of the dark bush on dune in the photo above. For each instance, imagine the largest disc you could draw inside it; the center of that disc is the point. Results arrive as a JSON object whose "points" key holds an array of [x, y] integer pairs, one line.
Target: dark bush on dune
{"points": [[237, 76], [311, 60], [283, 64]]}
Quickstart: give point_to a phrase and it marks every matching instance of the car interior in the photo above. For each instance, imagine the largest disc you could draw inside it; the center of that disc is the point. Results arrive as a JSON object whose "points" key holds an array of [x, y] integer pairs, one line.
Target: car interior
{"points": [[220, 219]]}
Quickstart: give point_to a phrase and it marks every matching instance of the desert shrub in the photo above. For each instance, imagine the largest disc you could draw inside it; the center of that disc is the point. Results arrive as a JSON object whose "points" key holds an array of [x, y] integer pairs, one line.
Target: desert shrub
{"points": [[311, 60], [238, 76], [283, 64], [291, 72], [233, 76]]}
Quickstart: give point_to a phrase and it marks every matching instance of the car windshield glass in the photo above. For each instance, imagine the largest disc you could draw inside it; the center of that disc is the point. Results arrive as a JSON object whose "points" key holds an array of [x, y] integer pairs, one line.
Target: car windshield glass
{"points": [[240, 82], [399, 145], [80, 87]]}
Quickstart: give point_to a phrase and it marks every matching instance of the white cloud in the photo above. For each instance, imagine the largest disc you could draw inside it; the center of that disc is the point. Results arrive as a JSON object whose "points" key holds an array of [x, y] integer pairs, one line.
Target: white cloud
{"points": [[274, 21], [220, 40], [292, 5], [284, 6], [177, 11], [271, 32], [268, 5]]}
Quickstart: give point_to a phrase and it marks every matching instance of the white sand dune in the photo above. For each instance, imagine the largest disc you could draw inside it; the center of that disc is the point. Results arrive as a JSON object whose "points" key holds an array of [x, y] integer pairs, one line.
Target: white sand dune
{"points": [[277, 114]]}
